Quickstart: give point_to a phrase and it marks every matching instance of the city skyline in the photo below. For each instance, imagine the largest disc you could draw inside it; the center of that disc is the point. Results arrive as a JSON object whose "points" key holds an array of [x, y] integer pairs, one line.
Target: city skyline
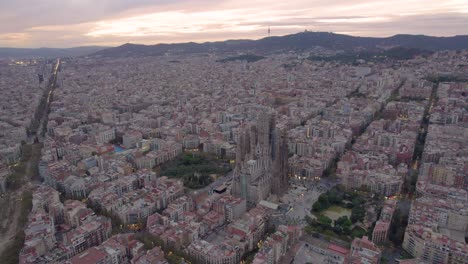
{"points": [[111, 23]]}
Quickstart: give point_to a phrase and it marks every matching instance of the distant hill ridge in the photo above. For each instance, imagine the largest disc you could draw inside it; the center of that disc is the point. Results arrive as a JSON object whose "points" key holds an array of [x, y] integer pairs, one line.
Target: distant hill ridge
{"points": [[298, 42], [48, 52]]}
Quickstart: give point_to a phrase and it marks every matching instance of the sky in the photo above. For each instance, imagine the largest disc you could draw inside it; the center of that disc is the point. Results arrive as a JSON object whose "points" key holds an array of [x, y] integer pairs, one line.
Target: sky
{"points": [[71, 23]]}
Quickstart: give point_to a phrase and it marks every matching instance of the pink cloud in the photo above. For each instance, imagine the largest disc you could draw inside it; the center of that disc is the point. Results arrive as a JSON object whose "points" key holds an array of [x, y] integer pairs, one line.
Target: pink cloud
{"points": [[159, 21]]}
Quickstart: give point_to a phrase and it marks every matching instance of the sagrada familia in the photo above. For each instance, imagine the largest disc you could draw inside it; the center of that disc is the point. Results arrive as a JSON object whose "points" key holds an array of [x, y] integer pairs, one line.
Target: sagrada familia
{"points": [[261, 160]]}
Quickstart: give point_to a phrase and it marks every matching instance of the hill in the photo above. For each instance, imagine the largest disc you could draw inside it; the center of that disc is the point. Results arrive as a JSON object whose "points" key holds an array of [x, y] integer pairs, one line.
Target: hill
{"points": [[297, 42], [48, 52]]}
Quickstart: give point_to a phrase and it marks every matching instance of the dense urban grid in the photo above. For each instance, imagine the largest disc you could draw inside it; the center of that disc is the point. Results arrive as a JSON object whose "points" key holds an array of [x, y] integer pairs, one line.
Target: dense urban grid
{"points": [[202, 159]]}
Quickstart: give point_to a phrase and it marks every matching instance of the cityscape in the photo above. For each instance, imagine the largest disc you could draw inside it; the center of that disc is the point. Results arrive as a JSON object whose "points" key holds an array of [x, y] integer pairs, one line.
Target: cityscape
{"points": [[305, 147]]}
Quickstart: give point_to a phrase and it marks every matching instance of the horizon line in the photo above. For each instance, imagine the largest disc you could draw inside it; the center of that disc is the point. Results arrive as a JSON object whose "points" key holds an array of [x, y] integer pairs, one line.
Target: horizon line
{"points": [[215, 41]]}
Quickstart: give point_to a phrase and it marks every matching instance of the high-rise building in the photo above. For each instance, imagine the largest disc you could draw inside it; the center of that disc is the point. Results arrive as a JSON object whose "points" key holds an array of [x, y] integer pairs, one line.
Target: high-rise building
{"points": [[261, 160]]}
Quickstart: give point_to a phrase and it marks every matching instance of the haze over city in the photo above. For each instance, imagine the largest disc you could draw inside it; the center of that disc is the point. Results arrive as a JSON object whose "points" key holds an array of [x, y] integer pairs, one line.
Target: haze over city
{"points": [[50, 23]]}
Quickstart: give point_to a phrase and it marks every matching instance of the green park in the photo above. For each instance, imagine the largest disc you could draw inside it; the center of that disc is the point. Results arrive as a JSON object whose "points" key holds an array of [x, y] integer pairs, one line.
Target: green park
{"points": [[338, 213], [195, 169]]}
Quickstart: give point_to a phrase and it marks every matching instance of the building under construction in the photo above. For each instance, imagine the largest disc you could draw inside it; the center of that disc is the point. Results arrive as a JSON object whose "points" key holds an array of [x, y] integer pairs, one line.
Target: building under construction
{"points": [[261, 160]]}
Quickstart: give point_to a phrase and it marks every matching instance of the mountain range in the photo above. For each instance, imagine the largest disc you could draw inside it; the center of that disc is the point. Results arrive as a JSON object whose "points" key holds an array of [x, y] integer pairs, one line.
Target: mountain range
{"points": [[48, 52], [298, 42]]}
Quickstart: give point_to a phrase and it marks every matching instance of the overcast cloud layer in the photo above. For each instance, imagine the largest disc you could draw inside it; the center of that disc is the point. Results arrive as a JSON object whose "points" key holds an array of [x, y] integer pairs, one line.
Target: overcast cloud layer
{"points": [[70, 23]]}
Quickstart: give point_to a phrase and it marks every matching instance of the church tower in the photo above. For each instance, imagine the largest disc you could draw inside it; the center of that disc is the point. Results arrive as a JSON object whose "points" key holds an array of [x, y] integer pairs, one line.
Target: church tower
{"points": [[261, 160]]}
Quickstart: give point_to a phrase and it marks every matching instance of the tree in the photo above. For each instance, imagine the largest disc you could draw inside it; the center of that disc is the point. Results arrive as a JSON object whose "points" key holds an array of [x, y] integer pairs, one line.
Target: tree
{"points": [[308, 229], [323, 199], [173, 259], [321, 204], [357, 201], [317, 207], [383, 260], [357, 214], [343, 225], [343, 221], [324, 220], [334, 197], [337, 229], [358, 232]]}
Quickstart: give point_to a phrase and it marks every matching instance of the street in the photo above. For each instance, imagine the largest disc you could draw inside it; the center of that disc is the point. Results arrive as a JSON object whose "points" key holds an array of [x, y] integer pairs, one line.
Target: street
{"points": [[19, 210]]}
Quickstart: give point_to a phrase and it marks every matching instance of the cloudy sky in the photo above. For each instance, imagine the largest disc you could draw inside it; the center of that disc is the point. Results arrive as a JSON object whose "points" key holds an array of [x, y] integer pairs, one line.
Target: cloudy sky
{"points": [[69, 23]]}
